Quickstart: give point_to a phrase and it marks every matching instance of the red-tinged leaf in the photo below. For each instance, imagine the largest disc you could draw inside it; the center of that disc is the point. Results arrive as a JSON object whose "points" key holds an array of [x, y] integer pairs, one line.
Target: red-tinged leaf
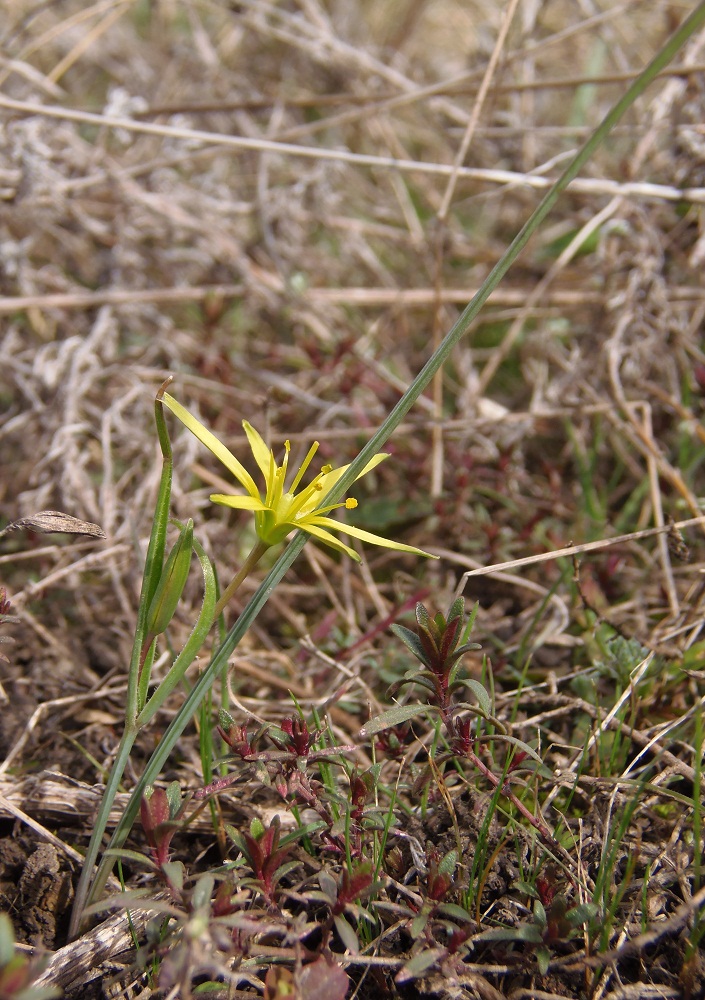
{"points": [[357, 883], [450, 639], [430, 648], [14, 976], [154, 809], [322, 980]]}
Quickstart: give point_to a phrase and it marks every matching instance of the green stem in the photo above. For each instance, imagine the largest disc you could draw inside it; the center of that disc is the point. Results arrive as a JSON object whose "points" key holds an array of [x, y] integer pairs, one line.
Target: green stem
{"points": [[209, 614], [193, 644], [101, 821], [154, 562], [190, 707], [249, 564]]}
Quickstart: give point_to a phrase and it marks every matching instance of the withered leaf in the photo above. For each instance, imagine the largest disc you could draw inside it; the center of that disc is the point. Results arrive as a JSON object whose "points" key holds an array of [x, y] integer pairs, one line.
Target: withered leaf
{"points": [[48, 521]]}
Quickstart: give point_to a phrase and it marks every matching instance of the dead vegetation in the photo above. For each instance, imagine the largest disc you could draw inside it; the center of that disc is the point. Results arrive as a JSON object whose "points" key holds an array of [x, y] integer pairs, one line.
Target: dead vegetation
{"points": [[286, 206]]}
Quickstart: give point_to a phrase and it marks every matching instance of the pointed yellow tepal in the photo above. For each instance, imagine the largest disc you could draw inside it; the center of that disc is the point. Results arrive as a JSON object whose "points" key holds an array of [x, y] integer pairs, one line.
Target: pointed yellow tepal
{"points": [[282, 509]]}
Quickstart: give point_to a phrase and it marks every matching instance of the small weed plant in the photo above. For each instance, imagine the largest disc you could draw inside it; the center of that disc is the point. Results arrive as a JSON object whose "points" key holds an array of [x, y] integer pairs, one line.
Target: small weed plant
{"points": [[331, 879]]}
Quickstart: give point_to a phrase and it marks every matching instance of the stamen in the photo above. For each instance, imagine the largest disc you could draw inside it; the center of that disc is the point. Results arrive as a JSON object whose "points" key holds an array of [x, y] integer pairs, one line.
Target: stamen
{"points": [[305, 498], [285, 461], [335, 506], [304, 465]]}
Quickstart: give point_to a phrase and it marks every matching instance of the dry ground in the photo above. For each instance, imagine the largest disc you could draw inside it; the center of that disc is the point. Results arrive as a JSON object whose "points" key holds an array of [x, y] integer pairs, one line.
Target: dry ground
{"points": [[299, 279]]}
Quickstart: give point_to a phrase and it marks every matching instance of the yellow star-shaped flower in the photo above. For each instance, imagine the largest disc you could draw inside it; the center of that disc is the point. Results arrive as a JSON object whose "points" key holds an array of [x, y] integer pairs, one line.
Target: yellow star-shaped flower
{"points": [[281, 509]]}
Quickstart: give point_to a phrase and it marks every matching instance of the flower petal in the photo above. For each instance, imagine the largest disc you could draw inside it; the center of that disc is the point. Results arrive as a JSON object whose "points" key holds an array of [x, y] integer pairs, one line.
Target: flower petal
{"points": [[238, 502], [211, 442], [329, 479], [373, 463], [327, 538], [262, 454], [365, 536]]}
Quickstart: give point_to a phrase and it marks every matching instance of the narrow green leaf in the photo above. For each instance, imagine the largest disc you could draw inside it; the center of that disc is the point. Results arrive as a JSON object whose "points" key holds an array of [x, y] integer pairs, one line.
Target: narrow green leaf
{"points": [[7, 940], [328, 885], [543, 959], [393, 717], [173, 797], [419, 677], [520, 745], [412, 642], [418, 964], [175, 873], [139, 899], [582, 913], [466, 648], [302, 831], [203, 892], [422, 616], [208, 988], [171, 582], [194, 642], [347, 934], [375, 770], [455, 912], [457, 609], [481, 693], [448, 863], [225, 720], [282, 870], [123, 854], [525, 932], [418, 924]]}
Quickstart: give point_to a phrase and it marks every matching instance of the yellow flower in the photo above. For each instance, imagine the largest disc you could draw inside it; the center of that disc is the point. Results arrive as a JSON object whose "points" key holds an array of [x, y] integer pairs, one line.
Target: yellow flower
{"points": [[282, 510]]}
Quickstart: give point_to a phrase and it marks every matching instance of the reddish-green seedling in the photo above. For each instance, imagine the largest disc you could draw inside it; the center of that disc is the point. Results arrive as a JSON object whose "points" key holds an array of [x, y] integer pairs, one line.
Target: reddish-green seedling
{"points": [[158, 811]]}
